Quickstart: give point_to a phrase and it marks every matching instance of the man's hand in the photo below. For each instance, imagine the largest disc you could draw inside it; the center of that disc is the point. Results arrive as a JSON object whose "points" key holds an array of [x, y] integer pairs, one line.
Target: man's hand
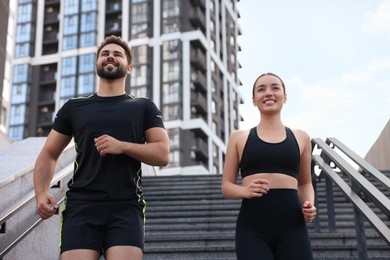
{"points": [[106, 144], [46, 206]]}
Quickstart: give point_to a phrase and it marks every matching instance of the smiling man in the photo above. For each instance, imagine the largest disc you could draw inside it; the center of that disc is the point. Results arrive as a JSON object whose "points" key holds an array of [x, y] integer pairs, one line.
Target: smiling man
{"points": [[114, 133]]}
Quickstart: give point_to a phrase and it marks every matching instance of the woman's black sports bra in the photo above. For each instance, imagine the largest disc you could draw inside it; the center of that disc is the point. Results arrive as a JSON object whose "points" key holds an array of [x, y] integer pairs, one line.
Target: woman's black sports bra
{"points": [[262, 157]]}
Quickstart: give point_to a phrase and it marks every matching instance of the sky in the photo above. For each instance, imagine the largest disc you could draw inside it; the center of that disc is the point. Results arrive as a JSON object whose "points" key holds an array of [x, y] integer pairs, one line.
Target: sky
{"points": [[334, 58]]}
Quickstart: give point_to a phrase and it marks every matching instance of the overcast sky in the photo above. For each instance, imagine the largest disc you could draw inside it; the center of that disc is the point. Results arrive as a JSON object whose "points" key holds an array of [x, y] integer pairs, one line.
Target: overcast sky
{"points": [[334, 57]]}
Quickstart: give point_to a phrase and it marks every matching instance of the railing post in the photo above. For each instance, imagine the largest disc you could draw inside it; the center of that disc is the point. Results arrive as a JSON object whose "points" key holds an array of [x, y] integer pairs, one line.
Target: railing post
{"points": [[359, 228], [314, 178], [329, 199]]}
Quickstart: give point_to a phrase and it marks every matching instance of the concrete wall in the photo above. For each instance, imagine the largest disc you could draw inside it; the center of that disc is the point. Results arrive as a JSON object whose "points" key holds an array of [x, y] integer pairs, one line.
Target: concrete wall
{"points": [[378, 155], [16, 182]]}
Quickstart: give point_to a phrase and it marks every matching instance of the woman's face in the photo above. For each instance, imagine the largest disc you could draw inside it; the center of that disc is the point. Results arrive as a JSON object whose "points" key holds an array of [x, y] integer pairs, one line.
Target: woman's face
{"points": [[269, 94]]}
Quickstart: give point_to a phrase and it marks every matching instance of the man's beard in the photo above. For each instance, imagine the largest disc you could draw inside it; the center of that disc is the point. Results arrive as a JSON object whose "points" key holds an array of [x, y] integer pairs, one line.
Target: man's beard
{"points": [[117, 73]]}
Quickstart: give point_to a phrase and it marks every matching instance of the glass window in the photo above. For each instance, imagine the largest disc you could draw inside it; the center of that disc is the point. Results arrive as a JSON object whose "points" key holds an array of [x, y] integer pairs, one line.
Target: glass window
{"points": [[140, 54], [140, 91], [69, 42], [22, 50], [174, 138], [20, 73], [213, 107], [86, 84], [171, 93], [170, 26], [71, 24], [139, 13], [174, 158], [139, 30], [19, 93], [68, 87], [87, 63], [16, 132], [171, 50], [88, 22], [68, 66], [71, 6], [24, 13], [88, 39], [139, 75], [171, 70], [171, 8], [23, 32], [17, 114], [88, 5], [171, 112]]}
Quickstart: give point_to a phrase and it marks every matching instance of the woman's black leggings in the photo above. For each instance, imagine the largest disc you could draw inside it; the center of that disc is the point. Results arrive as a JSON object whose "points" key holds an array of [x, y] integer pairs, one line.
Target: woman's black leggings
{"points": [[272, 227]]}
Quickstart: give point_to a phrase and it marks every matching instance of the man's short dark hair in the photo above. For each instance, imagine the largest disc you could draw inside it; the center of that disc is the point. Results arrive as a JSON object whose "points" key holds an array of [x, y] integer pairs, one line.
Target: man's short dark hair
{"points": [[112, 39]]}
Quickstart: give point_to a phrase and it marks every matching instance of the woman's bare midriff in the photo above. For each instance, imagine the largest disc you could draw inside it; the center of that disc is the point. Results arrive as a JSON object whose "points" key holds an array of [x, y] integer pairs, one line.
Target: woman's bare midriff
{"points": [[276, 180]]}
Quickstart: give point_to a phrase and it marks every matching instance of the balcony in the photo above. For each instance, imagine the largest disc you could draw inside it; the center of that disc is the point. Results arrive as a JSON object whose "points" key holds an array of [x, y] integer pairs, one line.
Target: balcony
{"points": [[47, 77], [197, 18], [198, 59], [200, 148], [51, 18], [198, 3], [50, 37], [199, 102], [199, 81]]}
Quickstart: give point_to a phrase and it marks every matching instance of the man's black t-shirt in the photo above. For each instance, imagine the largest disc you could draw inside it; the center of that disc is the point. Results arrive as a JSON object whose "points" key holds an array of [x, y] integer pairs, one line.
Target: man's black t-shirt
{"points": [[112, 177]]}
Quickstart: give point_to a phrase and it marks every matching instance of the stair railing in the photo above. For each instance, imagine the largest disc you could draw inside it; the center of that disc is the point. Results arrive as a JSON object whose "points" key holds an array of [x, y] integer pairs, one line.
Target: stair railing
{"points": [[21, 204], [328, 161]]}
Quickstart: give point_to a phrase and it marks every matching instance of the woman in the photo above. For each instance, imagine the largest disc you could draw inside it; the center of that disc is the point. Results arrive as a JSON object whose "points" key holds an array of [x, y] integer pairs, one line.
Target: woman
{"points": [[277, 192]]}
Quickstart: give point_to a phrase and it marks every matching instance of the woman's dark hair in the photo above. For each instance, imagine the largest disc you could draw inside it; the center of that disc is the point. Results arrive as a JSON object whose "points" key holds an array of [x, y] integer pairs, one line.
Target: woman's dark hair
{"points": [[268, 74], [118, 41]]}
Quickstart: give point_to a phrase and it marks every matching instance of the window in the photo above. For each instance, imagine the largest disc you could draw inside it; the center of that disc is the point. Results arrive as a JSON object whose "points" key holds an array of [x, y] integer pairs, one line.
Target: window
{"points": [[24, 13], [171, 112], [171, 50], [68, 87], [16, 132], [20, 73], [174, 159], [69, 66], [139, 75], [140, 91], [87, 39], [23, 32], [170, 8], [86, 84], [87, 63], [171, 93], [19, 93], [140, 54], [171, 70], [17, 114], [71, 7], [71, 24], [88, 22]]}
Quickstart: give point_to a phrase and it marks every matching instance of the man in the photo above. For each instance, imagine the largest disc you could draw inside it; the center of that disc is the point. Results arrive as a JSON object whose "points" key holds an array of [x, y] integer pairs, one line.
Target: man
{"points": [[113, 133]]}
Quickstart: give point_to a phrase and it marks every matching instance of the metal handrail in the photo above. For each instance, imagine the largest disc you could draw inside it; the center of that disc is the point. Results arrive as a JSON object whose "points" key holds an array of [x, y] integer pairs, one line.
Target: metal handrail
{"points": [[368, 168], [358, 183], [20, 204], [370, 190]]}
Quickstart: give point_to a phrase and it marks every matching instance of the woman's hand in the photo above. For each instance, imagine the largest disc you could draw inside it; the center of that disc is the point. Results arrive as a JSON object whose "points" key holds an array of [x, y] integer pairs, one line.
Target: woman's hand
{"points": [[256, 188], [309, 211]]}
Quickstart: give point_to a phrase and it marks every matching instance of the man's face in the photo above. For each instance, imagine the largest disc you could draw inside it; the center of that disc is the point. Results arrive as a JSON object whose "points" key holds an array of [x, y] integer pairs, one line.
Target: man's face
{"points": [[112, 62]]}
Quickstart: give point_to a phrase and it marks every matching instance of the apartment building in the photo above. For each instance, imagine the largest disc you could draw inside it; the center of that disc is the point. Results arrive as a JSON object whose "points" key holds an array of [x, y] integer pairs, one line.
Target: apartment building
{"points": [[184, 59]]}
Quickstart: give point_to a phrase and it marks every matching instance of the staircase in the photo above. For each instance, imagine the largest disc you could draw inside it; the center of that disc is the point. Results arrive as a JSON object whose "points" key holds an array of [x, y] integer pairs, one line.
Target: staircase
{"points": [[187, 218]]}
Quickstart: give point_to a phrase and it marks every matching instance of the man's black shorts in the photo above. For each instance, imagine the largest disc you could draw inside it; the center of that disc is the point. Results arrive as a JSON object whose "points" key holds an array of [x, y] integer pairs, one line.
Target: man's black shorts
{"points": [[99, 226]]}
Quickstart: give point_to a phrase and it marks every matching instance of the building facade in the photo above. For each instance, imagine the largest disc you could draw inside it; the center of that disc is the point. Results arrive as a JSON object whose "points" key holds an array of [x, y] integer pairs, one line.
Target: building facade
{"points": [[184, 59]]}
